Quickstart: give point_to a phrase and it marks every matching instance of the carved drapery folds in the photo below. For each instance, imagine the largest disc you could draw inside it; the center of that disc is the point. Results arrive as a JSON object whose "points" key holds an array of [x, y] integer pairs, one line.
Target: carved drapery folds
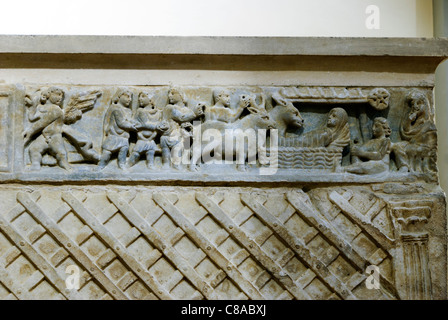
{"points": [[325, 129], [50, 122]]}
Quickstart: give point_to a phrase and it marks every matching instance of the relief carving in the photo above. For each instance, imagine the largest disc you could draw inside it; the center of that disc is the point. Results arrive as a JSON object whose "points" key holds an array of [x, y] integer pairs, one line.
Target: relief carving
{"points": [[339, 130], [201, 173], [176, 113], [285, 115], [118, 124], [379, 98], [373, 156], [148, 117], [257, 119], [335, 134], [308, 244], [221, 111], [417, 151], [50, 124], [412, 216]]}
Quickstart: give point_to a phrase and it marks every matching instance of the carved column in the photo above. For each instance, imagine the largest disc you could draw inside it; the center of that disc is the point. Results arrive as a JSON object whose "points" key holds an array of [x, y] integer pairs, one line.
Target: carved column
{"points": [[412, 216]]}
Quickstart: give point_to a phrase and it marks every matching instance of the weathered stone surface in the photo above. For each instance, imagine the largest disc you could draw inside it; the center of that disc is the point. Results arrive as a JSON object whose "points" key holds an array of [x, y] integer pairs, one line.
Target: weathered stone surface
{"points": [[112, 177]]}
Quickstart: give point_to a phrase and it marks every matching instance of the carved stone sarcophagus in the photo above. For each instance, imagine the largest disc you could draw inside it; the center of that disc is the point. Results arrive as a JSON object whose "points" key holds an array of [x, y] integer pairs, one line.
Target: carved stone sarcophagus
{"points": [[220, 168]]}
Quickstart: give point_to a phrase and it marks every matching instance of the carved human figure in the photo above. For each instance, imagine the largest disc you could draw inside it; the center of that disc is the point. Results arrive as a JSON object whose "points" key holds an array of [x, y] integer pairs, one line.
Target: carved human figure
{"points": [[176, 113], [221, 110], [417, 151], [373, 156], [148, 116], [335, 134], [118, 123], [47, 121]]}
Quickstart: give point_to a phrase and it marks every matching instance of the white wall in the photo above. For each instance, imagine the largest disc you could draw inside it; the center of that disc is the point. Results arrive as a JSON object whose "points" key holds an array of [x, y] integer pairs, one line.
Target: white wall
{"points": [[398, 18]]}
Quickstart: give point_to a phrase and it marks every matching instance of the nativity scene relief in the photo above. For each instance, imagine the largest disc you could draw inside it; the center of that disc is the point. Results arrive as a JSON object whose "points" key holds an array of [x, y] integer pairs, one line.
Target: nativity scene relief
{"points": [[332, 130]]}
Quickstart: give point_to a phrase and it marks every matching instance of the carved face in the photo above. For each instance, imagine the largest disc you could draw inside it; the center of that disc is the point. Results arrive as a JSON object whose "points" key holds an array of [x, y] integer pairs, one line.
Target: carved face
{"points": [[143, 100], [174, 96], [147, 103], [381, 128], [417, 108], [224, 98], [126, 98], [332, 119], [378, 129], [56, 97]]}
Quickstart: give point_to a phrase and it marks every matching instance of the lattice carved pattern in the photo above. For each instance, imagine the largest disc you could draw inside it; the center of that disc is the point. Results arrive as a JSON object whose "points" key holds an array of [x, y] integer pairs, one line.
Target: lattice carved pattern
{"points": [[189, 244]]}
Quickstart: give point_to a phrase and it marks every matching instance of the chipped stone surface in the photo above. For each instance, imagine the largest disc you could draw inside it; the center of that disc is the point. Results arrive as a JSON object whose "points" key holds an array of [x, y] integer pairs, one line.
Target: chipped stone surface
{"points": [[98, 178]]}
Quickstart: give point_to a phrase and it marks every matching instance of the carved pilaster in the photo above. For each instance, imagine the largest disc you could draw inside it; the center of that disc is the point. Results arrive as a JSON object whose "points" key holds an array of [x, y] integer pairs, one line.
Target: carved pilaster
{"points": [[412, 216]]}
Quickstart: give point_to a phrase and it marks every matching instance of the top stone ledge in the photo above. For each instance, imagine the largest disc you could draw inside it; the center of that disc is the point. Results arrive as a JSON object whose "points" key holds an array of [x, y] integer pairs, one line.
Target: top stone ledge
{"points": [[318, 46]]}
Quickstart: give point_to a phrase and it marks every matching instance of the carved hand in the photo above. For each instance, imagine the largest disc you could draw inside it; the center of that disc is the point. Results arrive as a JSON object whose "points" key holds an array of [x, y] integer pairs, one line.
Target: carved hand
{"points": [[199, 110], [355, 151], [28, 101], [135, 125], [138, 126], [27, 136], [163, 126]]}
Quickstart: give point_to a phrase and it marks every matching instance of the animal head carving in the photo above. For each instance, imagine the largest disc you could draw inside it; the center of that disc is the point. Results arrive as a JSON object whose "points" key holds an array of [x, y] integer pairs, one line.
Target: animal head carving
{"points": [[262, 120], [292, 116]]}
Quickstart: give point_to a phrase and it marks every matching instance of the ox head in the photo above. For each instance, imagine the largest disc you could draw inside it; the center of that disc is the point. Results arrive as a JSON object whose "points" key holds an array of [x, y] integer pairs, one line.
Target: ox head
{"points": [[289, 113], [261, 119]]}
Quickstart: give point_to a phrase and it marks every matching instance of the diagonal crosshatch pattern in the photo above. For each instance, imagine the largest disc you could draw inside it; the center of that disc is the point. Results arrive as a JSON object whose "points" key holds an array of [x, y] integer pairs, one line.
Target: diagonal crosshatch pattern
{"points": [[184, 243]]}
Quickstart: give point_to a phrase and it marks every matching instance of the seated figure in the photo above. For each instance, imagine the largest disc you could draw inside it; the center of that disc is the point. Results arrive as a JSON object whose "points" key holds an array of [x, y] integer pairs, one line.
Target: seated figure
{"points": [[373, 156], [417, 150]]}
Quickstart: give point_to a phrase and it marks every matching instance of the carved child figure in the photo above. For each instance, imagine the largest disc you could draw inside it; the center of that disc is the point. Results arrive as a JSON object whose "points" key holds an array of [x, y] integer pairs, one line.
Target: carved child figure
{"points": [[335, 134], [373, 156], [118, 123], [47, 121], [148, 116]]}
